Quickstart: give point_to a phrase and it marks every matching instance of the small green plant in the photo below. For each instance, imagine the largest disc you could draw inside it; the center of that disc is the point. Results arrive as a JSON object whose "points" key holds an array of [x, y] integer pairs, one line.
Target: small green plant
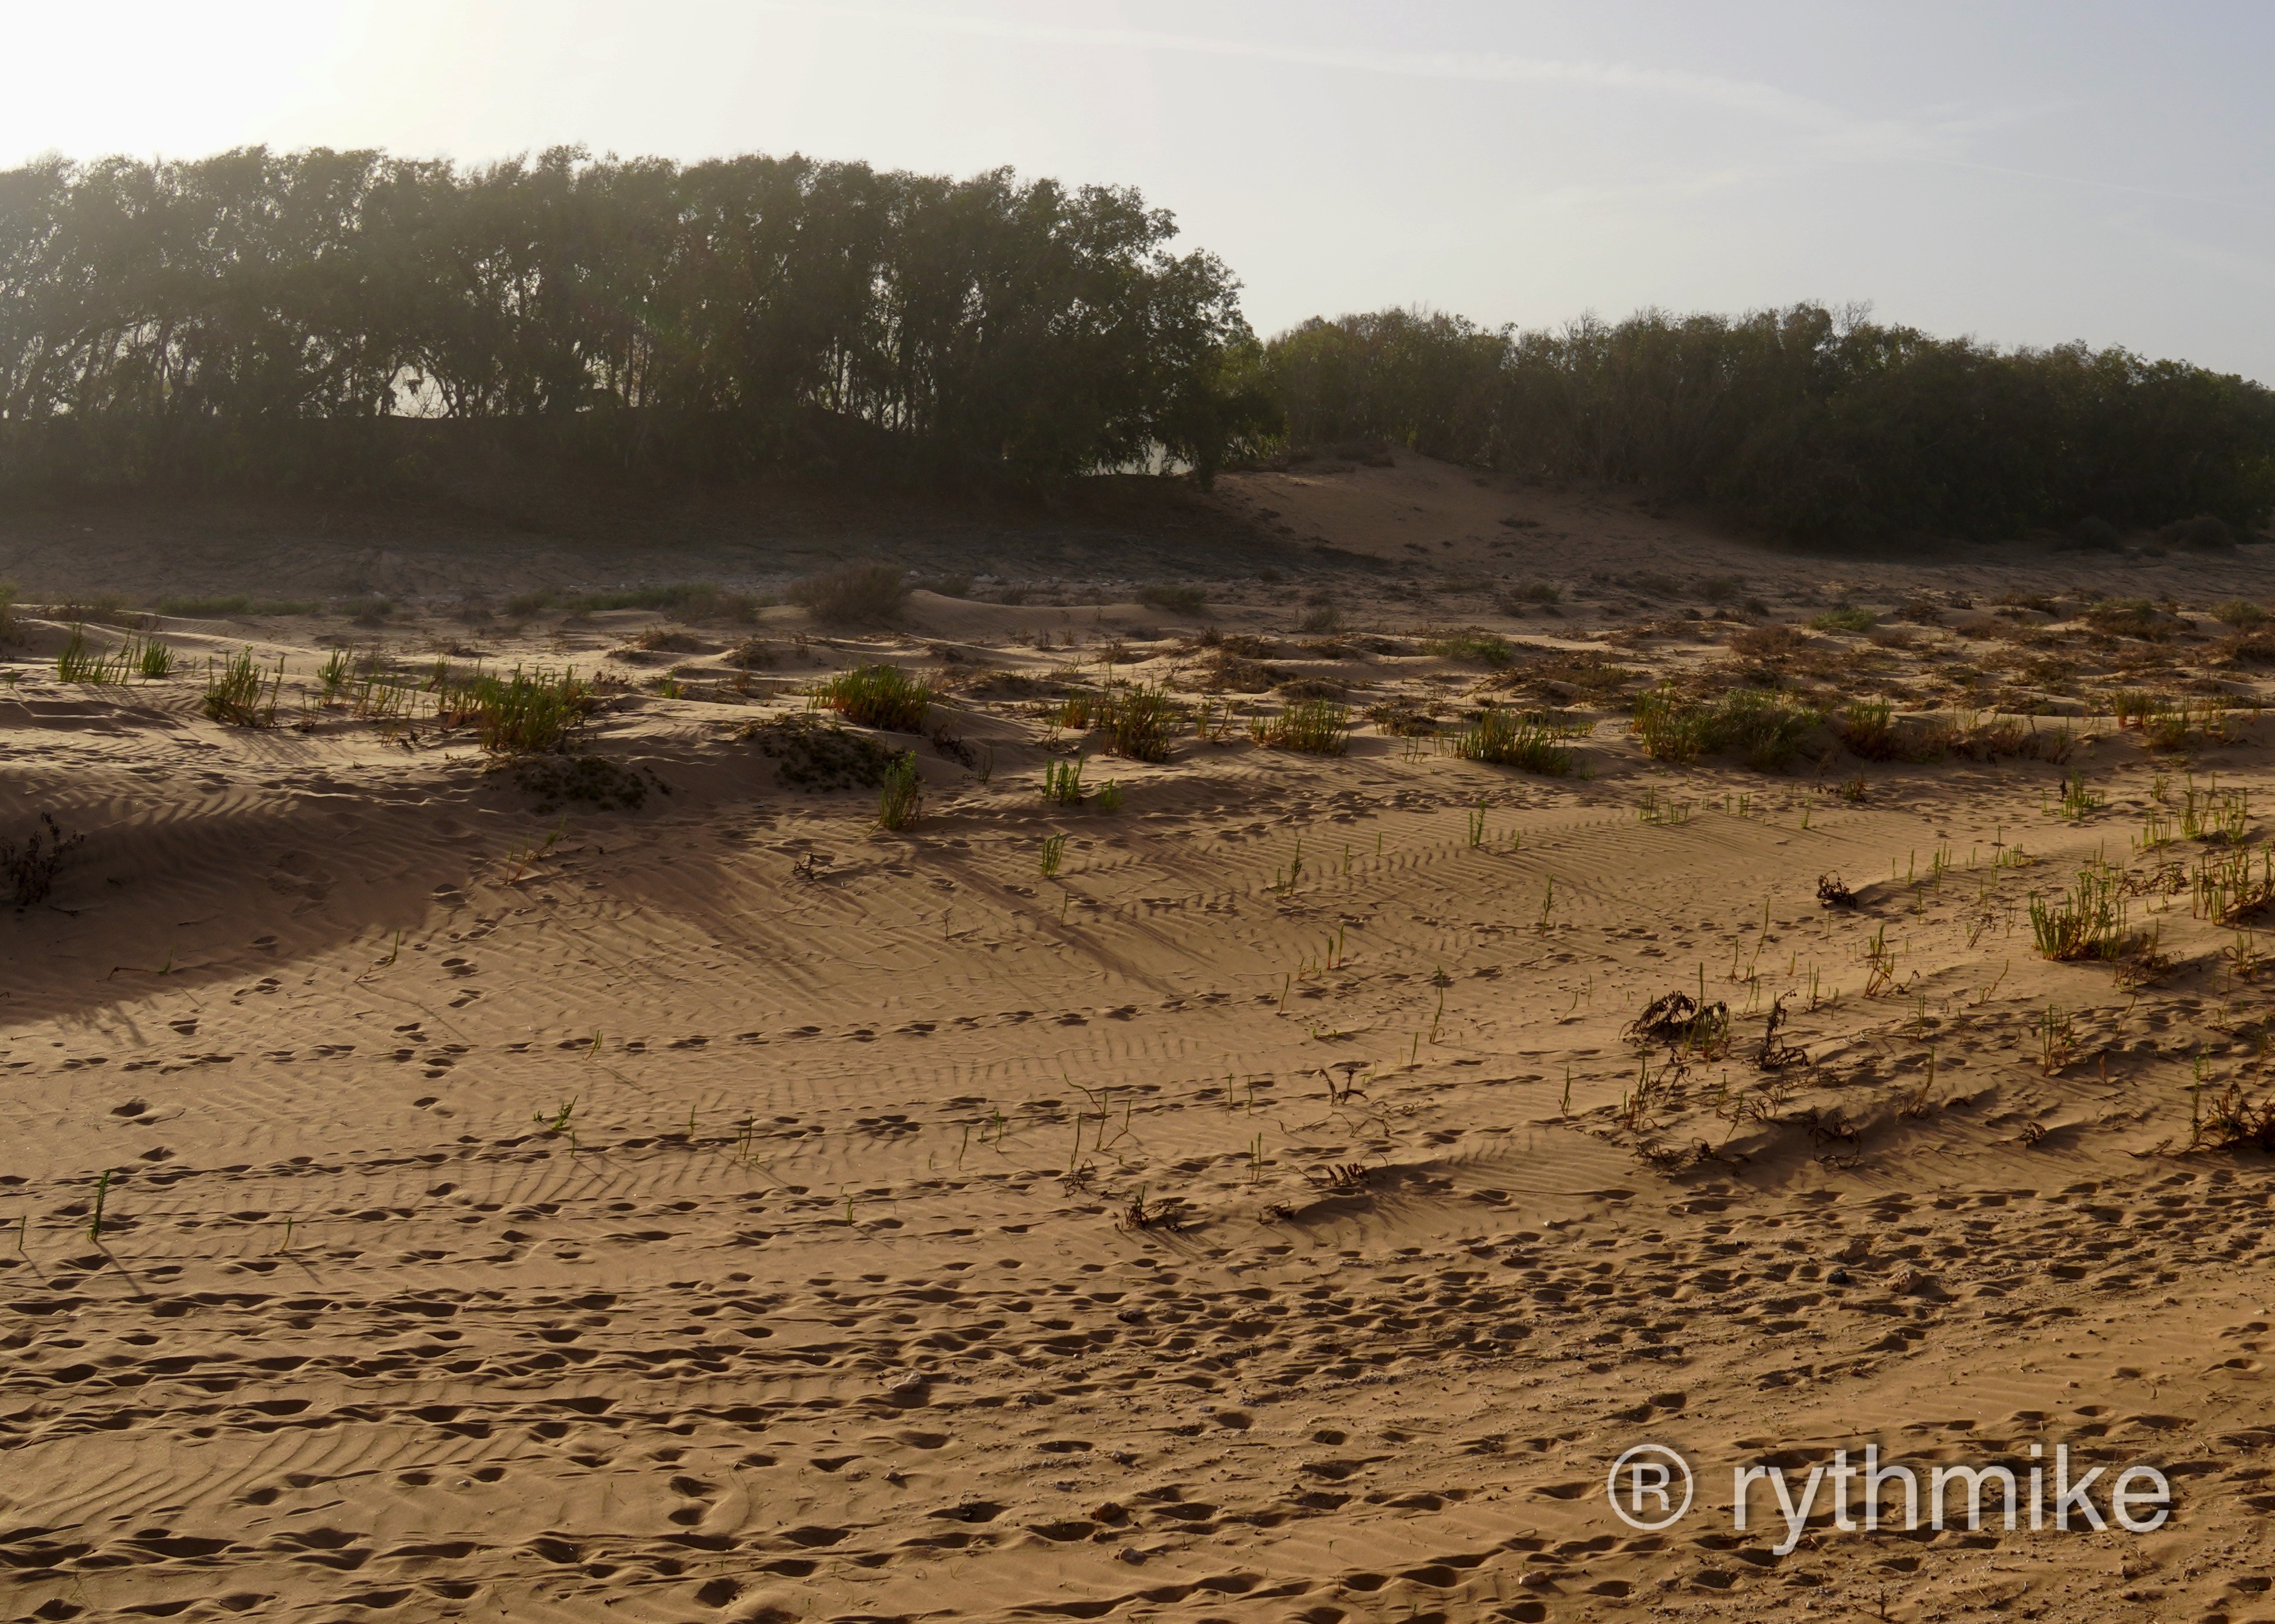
{"points": [[525, 713], [1470, 646], [2076, 799], [1139, 722], [79, 662], [2087, 922], [153, 661], [101, 1190], [877, 696], [1053, 851], [242, 693], [333, 673], [1844, 617], [1063, 781], [1314, 727], [1503, 739], [901, 801], [1109, 796]]}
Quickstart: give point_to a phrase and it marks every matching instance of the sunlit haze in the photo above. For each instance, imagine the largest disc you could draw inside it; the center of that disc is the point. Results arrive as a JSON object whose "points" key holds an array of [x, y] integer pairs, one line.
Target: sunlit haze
{"points": [[2028, 174]]}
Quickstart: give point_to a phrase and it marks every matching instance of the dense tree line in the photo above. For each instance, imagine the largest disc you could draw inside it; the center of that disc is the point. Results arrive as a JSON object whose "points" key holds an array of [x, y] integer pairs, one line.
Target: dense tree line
{"points": [[330, 315], [1805, 422], [279, 313]]}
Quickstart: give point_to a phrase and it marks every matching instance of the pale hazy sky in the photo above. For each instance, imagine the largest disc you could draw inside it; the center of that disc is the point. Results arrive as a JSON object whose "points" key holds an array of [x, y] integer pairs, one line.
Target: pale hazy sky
{"points": [[2027, 172]]}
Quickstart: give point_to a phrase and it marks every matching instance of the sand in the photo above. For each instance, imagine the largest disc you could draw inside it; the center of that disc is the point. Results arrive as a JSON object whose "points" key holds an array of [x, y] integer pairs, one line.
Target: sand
{"points": [[724, 1208]]}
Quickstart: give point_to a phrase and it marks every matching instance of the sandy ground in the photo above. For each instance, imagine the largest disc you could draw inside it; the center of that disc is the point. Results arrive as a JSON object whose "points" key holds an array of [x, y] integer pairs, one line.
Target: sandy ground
{"points": [[724, 1208]]}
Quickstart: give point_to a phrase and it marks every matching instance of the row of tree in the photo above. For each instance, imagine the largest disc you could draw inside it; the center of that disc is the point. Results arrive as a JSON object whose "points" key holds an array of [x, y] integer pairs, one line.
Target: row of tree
{"points": [[1806, 422], [325, 314], [745, 312]]}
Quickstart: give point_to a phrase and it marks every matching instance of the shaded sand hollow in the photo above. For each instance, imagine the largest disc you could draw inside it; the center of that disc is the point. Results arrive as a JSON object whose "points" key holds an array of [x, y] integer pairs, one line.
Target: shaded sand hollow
{"points": [[518, 1207]]}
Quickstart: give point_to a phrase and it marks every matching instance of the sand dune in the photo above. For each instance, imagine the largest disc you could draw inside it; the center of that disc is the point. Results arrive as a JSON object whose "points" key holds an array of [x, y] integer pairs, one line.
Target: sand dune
{"points": [[723, 1207]]}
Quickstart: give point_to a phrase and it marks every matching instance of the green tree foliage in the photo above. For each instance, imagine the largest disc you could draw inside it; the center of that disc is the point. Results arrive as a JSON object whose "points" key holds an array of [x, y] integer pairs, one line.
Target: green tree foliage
{"points": [[307, 311], [1805, 422]]}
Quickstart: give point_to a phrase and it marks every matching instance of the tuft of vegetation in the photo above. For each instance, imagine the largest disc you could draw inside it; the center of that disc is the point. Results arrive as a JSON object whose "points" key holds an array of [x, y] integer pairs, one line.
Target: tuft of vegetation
{"points": [[1314, 727], [877, 696], [1175, 600], [9, 630], [2242, 613], [853, 595], [900, 800], [1138, 721], [590, 780], [1844, 617], [1062, 782], [241, 692], [1470, 646], [817, 756], [1504, 739], [29, 870], [2086, 922], [225, 608], [525, 713], [1768, 729]]}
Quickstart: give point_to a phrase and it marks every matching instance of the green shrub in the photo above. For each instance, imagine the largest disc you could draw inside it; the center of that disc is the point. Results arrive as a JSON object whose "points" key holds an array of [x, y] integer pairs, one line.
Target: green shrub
{"points": [[859, 594], [1506, 740], [1844, 618], [901, 801], [1138, 721], [242, 693], [1315, 727], [1175, 600], [877, 696], [1471, 647], [525, 713], [1768, 729], [2242, 613]]}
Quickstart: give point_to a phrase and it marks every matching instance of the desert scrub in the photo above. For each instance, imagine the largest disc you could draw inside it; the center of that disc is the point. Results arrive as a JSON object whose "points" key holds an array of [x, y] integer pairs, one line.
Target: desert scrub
{"points": [[876, 696], [1844, 617], [1315, 727], [817, 756], [900, 800], [592, 781], [28, 871], [1470, 646], [2086, 922], [1767, 729], [1175, 600], [1504, 739], [525, 713], [1138, 721], [854, 593], [1871, 730], [243, 693]]}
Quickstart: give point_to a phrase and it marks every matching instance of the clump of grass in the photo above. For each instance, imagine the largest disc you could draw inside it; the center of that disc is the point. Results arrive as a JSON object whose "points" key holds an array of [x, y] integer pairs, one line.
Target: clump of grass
{"points": [[877, 696], [1175, 600], [1138, 721], [2087, 922], [221, 608], [1320, 620], [242, 693], [1109, 796], [8, 627], [1504, 739], [1844, 617], [1063, 781], [525, 713], [2135, 617], [81, 664], [855, 593], [153, 661], [1470, 646], [900, 800], [1053, 853], [29, 870], [1314, 727], [2242, 613], [1871, 729], [1767, 729]]}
